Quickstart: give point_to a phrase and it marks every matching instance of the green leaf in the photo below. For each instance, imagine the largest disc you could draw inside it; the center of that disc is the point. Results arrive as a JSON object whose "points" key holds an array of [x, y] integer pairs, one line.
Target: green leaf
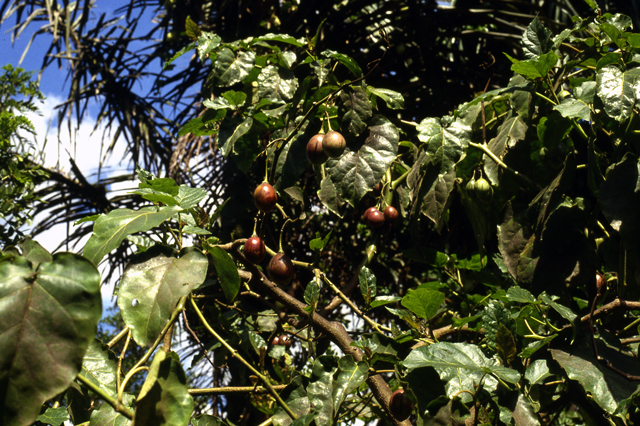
{"points": [[151, 286], [578, 107], [512, 130], [352, 375], [318, 244], [505, 344], [320, 390], [445, 145], [312, 294], [435, 204], [227, 272], [179, 53], [231, 130], [230, 69], [99, 366], [236, 99], [54, 416], [188, 198], [276, 84], [107, 416], [206, 43], [537, 372], [462, 366], [192, 29], [206, 420], [164, 398], [34, 252], [354, 174], [111, 229], [536, 39], [617, 90], [295, 396], [494, 315], [427, 255], [367, 284], [537, 67], [423, 302], [358, 110], [565, 312], [518, 294], [292, 161], [283, 38], [344, 60], [379, 347], [48, 317], [394, 100]]}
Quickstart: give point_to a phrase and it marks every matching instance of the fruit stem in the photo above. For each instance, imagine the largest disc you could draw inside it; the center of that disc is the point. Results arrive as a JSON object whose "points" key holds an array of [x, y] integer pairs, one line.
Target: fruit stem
{"points": [[490, 154], [282, 232], [255, 226]]}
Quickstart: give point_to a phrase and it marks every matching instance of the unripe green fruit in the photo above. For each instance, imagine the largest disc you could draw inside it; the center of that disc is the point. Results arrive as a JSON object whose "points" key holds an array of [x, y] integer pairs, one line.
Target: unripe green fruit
{"points": [[483, 190], [470, 187], [333, 144]]}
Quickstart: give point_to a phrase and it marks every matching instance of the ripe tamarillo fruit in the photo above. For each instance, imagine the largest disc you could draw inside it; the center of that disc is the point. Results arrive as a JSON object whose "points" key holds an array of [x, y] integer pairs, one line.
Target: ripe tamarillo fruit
{"points": [[390, 215], [254, 250], [280, 269], [333, 144], [315, 153], [265, 197], [375, 219], [275, 341], [368, 212], [400, 405], [285, 340]]}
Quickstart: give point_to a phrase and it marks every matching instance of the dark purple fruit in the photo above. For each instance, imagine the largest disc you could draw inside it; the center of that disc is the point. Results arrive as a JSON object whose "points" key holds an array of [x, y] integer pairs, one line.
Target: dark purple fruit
{"points": [[275, 341], [254, 249], [265, 197], [400, 405], [390, 215], [333, 144], [280, 269], [375, 219], [315, 154]]}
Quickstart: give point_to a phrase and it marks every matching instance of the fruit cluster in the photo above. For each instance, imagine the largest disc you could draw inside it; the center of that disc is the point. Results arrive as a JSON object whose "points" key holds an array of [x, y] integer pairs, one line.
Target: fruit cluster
{"points": [[375, 218], [322, 146], [282, 340]]}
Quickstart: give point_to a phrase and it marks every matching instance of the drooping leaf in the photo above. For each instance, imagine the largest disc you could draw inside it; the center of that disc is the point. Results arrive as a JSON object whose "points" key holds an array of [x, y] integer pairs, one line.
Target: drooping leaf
{"points": [[227, 272], [394, 100], [536, 39], [357, 172], [164, 398], [54, 305], [295, 396], [505, 344], [344, 60], [231, 130], [229, 69], [352, 374], [445, 144], [423, 302], [462, 366], [312, 294], [151, 286], [578, 106], [320, 390], [292, 161], [512, 130], [494, 315], [111, 229], [435, 203], [537, 372]]}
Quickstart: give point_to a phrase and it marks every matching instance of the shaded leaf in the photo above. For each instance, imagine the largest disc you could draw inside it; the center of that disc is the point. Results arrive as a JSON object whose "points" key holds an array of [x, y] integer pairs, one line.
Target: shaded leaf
{"points": [[445, 144], [578, 106], [107, 416], [367, 284], [358, 110], [394, 100], [537, 372], [320, 390], [227, 272]]}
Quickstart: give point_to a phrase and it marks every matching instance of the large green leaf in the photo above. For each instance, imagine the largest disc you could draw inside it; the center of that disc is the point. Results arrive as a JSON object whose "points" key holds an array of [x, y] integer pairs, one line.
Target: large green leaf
{"points": [[295, 396], [320, 390], [164, 398], [151, 286], [356, 172], [276, 84], [358, 110], [437, 199], [445, 144], [537, 372], [423, 302], [292, 161], [54, 416], [48, 317], [536, 67], [229, 69], [617, 90], [99, 366], [227, 272], [111, 229], [394, 100], [536, 40], [231, 130], [352, 374], [512, 130], [494, 315], [462, 366]]}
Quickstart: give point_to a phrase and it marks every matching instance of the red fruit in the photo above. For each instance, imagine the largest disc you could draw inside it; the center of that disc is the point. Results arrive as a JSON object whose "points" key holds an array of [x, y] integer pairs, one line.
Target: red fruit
{"points": [[254, 250], [375, 219], [368, 212], [315, 154], [400, 405], [280, 269], [275, 341], [390, 214], [378, 188], [265, 197], [600, 282], [333, 144]]}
